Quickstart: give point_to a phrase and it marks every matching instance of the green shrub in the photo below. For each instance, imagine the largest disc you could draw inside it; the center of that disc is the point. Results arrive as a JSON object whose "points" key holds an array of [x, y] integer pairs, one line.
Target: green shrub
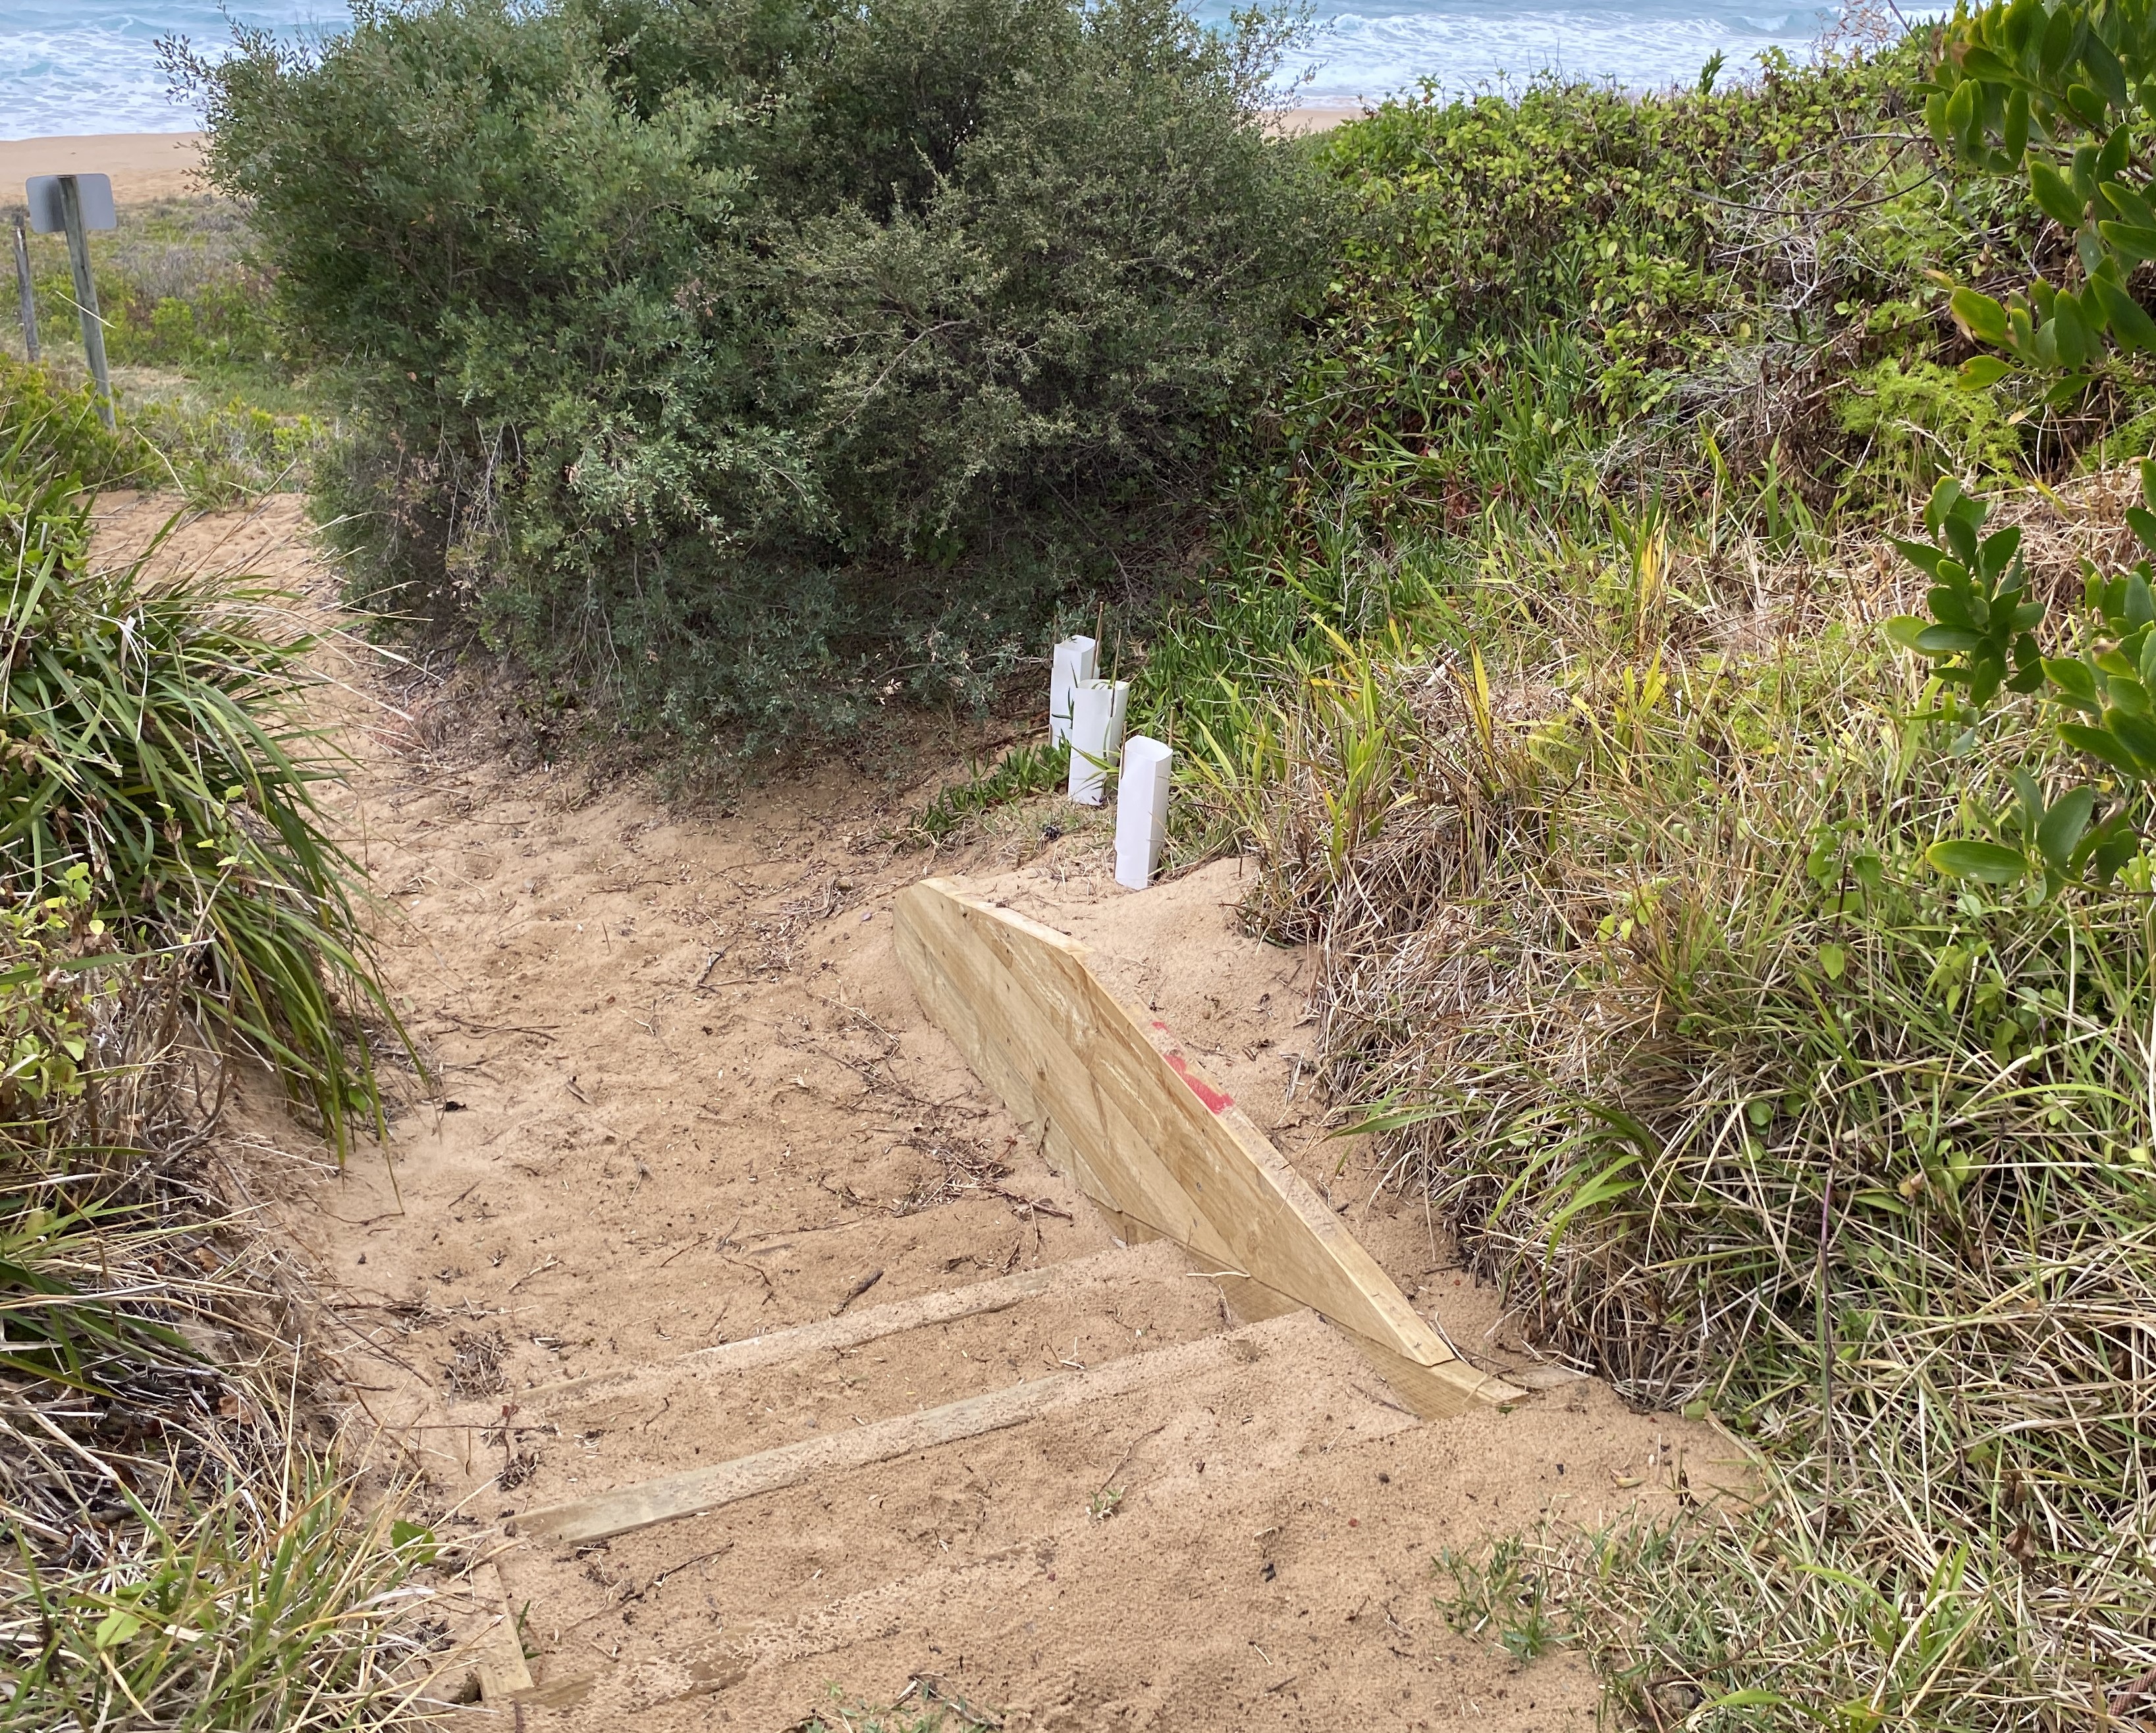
{"points": [[1557, 294], [760, 363]]}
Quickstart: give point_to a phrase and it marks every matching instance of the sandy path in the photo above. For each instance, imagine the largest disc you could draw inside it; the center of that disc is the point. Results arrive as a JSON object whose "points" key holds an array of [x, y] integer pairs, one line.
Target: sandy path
{"points": [[686, 1097]]}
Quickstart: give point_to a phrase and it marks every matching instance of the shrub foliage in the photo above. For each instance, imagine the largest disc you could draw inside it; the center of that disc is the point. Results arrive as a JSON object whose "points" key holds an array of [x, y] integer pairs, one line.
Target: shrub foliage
{"points": [[714, 351]]}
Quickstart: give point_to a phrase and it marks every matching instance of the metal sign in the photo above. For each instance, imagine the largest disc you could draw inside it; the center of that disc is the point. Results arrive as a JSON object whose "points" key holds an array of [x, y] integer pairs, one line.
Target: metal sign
{"points": [[48, 209]]}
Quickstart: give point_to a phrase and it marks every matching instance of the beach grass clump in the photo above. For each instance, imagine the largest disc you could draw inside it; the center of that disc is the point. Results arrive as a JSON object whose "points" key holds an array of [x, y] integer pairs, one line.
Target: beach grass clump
{"points": [[153, 748], [1028, 769], [1633, 958], [178, 1547]]}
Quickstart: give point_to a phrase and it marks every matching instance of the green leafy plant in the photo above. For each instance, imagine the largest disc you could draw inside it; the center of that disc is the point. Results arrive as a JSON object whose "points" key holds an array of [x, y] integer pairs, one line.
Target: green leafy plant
{"points": [[773, 361], [152, 765], [1503, 1595], [1031, 768], [2058, 92], [1982, 638]]}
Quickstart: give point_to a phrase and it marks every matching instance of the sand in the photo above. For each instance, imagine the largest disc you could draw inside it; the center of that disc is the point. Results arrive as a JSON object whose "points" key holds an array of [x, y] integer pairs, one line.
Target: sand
{"points": [[145, 167], [686, 1096]]}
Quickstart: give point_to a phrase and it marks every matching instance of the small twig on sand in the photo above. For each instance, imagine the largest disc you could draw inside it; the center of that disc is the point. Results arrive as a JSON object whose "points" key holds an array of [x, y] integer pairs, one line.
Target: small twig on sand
{"points": [[857, 1290]]}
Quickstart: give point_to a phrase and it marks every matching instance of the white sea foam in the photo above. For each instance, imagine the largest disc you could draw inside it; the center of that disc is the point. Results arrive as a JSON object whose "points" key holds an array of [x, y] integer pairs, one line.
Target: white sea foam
{"points": [[70, 66], [73, 66]]}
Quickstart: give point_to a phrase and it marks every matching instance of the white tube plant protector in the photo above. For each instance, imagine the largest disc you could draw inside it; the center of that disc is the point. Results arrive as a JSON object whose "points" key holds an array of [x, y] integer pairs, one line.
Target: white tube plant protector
{"points": [[1097, 736], [1142, 810], [1074, 661]]}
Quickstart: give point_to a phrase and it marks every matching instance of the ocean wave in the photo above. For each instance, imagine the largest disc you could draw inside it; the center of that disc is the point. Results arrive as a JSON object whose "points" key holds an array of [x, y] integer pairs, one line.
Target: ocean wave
{"points": [[72, 66], [76, 66], [1461, 47]]}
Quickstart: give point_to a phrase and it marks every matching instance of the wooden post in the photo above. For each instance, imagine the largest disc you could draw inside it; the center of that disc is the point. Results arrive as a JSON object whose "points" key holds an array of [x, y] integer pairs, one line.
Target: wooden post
{"points": [[27, 290], [85, 294]]}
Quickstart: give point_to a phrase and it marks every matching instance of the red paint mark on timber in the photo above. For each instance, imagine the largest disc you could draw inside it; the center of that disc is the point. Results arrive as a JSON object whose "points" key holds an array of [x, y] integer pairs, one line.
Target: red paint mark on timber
{"points": [[1215, 1101]]}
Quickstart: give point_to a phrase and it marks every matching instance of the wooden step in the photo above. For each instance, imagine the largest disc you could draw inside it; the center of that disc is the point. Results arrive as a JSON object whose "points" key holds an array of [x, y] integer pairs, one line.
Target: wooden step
{"points": [[1197, 1433], [697, 1491], [1158, 1262]]}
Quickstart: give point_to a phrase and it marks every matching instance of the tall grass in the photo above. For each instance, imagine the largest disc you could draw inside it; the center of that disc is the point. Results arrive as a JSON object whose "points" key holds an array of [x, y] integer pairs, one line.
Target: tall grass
{"points": [[1631, 958], [174, 1551]]}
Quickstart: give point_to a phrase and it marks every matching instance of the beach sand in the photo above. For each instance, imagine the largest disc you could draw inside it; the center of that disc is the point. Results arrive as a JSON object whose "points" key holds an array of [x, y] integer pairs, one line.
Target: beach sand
{"points": [[144, 166]]}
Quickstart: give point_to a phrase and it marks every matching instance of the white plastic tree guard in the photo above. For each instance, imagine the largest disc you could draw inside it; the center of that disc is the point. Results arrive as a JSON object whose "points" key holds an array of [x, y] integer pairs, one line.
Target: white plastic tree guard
{"points": [[1076, 661], [1097, 736], [1142, 810]]}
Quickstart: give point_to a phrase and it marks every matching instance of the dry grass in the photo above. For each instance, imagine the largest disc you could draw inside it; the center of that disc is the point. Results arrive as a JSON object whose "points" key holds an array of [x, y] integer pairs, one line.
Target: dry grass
{"points": [[1631, 953]]}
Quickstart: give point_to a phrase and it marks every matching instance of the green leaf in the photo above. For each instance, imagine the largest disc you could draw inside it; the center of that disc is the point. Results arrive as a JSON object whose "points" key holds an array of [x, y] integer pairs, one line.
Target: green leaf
{"points": [[2074, 682], [1945, 495], [2129, 204], [2137, 734], [2130, 240], [1946, 640], [2055, 196], [2065, 25], [2132, 326], [1833, 959], [1905, 629], [2099, 743], [1978, 314], [1925, 558], [1979, 373], [1986, 861], [2062, 825], [116, 1627], [2076, 337]]}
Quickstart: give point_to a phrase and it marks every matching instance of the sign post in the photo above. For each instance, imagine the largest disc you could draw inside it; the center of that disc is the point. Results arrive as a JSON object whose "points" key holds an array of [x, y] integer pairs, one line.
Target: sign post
{"points": [[28, 291], [77, 204]]}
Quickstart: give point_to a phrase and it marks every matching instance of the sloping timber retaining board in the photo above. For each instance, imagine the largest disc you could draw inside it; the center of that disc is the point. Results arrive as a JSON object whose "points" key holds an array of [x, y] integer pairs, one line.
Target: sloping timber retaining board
{"points": [[1113, 1098]]}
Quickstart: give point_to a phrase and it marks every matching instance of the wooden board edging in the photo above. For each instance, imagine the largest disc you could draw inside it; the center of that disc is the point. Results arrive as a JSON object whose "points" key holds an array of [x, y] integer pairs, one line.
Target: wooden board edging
{"points": [[694, 1491], [1113, 1097]]}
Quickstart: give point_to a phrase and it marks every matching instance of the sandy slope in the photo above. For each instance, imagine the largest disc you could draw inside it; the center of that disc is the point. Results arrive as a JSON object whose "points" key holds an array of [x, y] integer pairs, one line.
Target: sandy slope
{"points": [[686, 1097]]}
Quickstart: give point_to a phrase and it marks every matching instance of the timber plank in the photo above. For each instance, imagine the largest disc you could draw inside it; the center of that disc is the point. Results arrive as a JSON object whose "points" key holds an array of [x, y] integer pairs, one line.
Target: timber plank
{"points": [[850, 1329], [699, 1490], [1147, 1136]]}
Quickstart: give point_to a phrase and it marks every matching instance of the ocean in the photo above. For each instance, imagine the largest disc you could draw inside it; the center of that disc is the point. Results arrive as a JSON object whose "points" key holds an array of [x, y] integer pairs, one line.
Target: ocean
{"points": [[76, 66]]}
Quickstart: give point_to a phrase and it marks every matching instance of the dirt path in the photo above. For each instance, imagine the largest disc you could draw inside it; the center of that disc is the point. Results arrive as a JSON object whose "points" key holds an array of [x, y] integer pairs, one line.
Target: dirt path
{"points": [[686, 1098]]}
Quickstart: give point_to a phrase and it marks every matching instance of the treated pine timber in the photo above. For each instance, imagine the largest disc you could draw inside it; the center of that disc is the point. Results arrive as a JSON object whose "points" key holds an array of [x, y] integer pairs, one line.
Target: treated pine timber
{"points": [[699, 1490], [850, 1329], [498, 1651], [1111, 1096]]}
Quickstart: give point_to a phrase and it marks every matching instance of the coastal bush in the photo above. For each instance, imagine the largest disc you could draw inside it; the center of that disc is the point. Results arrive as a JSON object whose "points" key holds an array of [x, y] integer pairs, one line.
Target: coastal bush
{"points": [[1638, 959], [1758, 1003], [757, 364], [1550, 295]]}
